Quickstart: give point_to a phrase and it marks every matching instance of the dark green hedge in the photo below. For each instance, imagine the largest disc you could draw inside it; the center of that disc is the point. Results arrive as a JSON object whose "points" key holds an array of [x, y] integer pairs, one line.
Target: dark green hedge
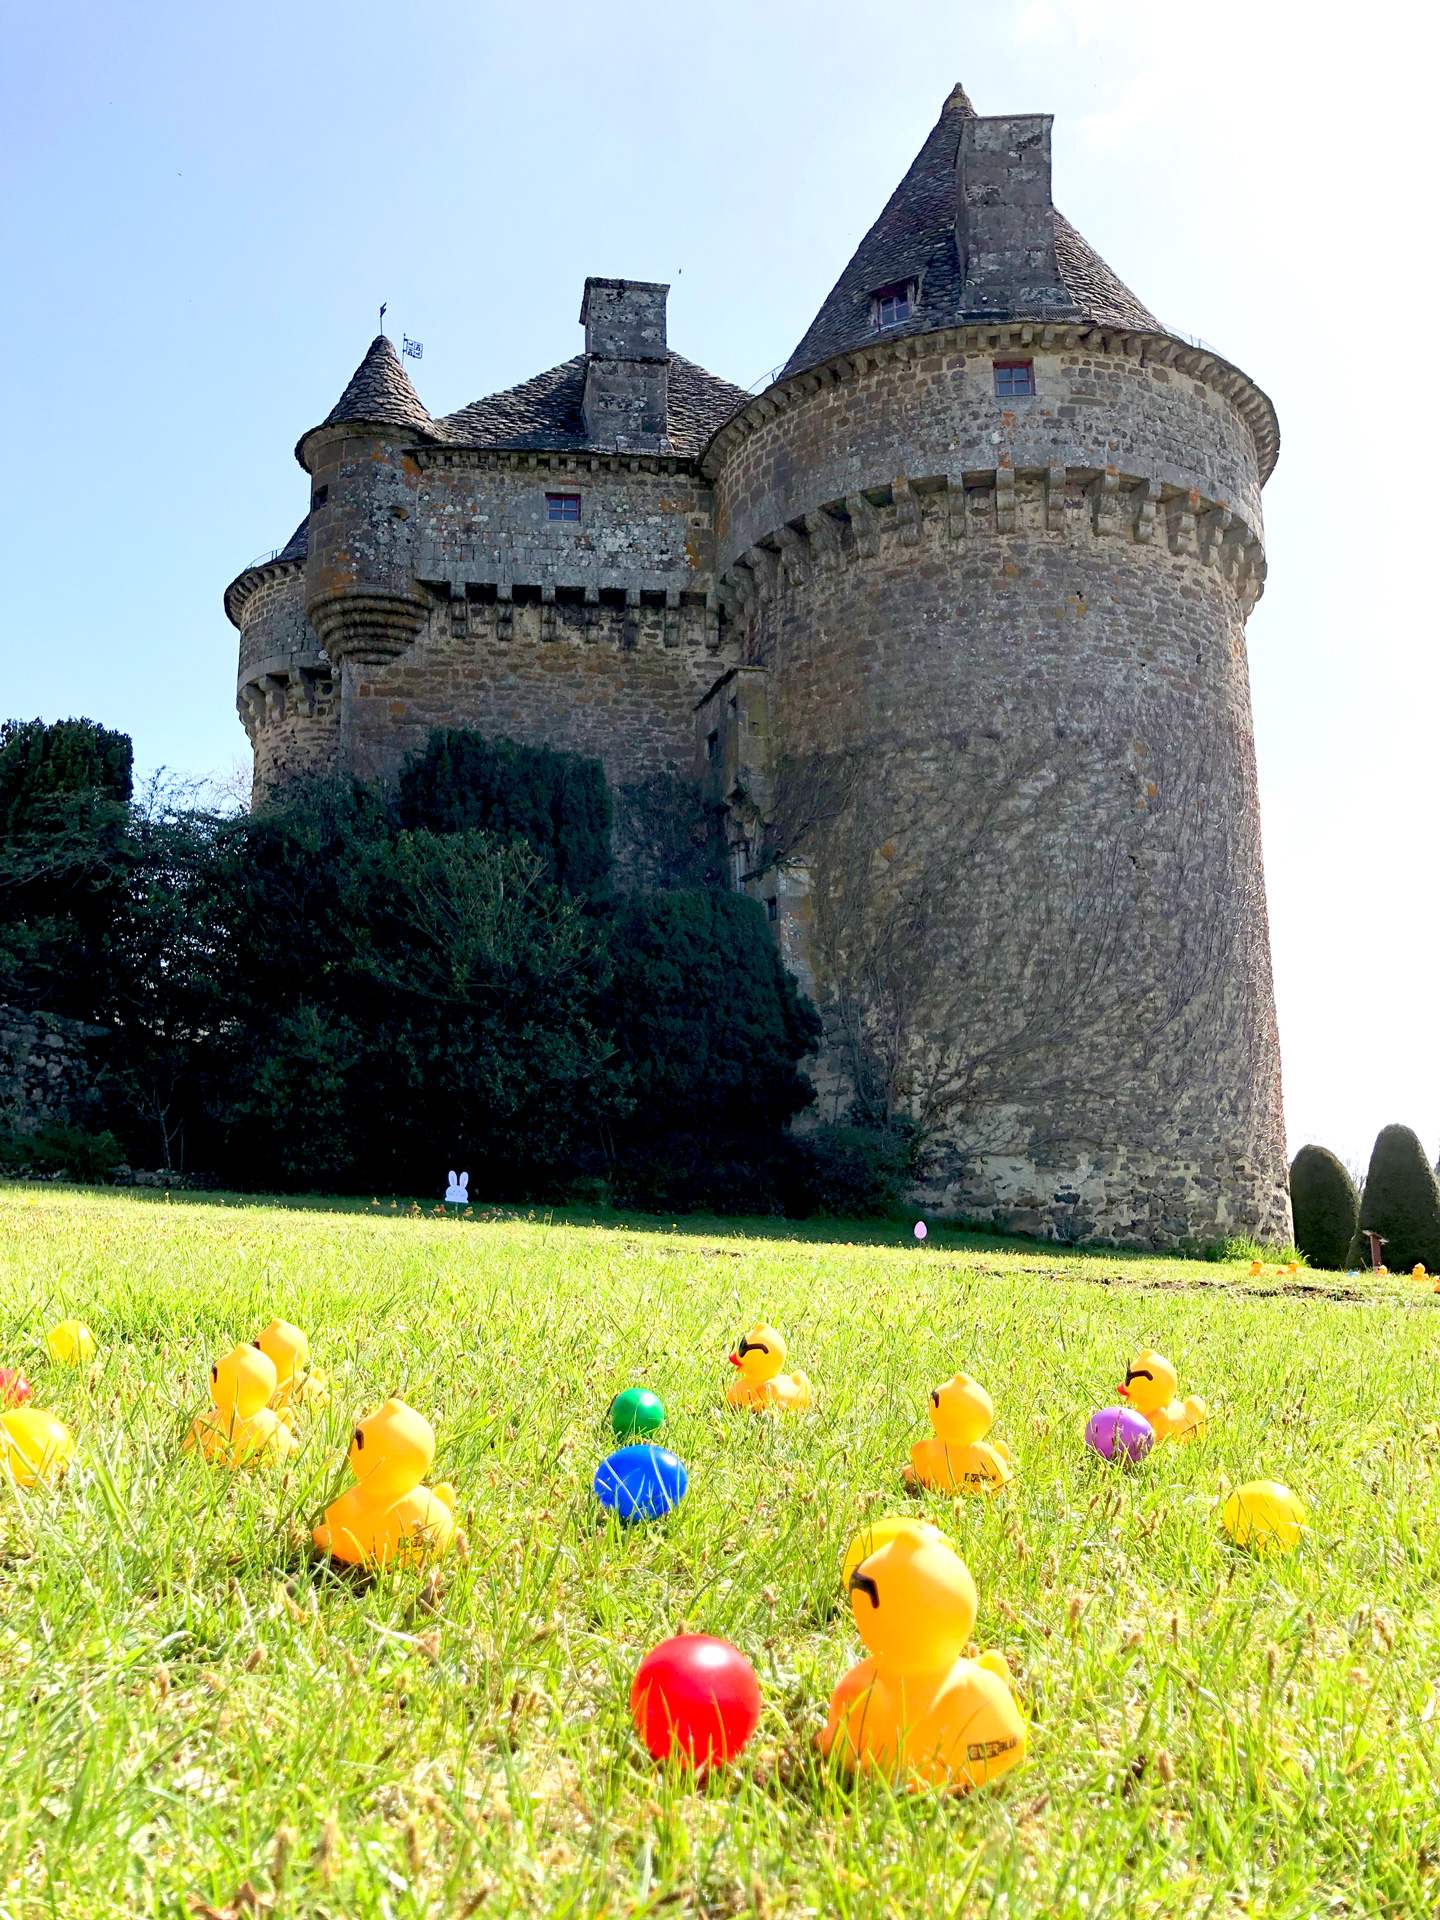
{"points": [[1402, 1203], [358, 988], [1325, 1205], [40, 764], [557, 803]]}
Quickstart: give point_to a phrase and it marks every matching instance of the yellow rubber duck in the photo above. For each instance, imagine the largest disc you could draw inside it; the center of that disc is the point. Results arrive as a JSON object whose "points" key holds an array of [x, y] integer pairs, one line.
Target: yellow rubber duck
{"points": [[71, 1343], [389, 1514], [297, 1383], [873, 1535], [34, 1445], [1151, 1386], [760, 1356], [918, 1709], [958, 1458], [240, 1430]]}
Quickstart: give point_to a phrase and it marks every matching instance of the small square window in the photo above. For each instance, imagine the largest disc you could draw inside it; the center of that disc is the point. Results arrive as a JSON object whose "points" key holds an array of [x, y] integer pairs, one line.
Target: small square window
{"points": [[319, 497], [1014, 378], [712, 746], [892, 306], [563, 506]]}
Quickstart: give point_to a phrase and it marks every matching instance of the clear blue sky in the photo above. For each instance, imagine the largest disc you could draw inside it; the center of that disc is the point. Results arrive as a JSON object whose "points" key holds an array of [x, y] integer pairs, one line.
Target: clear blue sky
{"points": [[204, 207]]}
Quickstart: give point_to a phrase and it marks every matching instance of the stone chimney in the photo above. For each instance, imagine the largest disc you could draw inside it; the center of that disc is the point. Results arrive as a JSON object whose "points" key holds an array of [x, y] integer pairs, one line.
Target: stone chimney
{"points": [[1004, 220], [626, 364]]}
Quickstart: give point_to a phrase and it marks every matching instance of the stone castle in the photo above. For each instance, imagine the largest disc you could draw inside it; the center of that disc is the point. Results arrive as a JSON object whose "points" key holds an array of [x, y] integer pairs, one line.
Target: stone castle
{"points": [[946, 630]]}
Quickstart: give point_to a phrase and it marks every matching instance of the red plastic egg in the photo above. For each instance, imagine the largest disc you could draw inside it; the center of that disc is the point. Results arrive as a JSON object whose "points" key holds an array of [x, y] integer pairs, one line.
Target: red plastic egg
{"points": [[14, 1388], [696, 1697]]}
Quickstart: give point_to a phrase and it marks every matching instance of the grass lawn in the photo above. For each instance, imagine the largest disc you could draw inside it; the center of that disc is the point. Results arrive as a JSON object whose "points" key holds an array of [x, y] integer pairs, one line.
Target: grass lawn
{"points": [[190, 1701]]}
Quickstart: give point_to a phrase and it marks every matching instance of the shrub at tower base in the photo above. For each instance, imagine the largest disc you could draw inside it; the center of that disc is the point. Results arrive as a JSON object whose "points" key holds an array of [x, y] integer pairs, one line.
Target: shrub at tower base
{"points": [[66, 858], [352, 988], [389, 992], [710, 1030], [1401, 1203], [558, 804], [1325, 1205]]}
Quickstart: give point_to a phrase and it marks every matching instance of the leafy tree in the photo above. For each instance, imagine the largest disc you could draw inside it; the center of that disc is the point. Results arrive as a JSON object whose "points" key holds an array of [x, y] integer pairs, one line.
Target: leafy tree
{"points": [[64, 862], [1401, 1202], [557, 803], [40, 765], [163, 1005], [396, 999], [1325, 1205], [350, 988]]}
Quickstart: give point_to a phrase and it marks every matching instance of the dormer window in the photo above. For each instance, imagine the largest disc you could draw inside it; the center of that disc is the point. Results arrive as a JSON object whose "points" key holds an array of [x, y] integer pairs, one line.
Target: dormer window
{"points": [[894, 305], [563, 506], [1014, 379]]}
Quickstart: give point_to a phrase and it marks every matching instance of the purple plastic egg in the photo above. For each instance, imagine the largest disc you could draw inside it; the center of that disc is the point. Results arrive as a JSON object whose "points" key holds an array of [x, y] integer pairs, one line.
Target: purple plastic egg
{"points": [[1119, 1433]]}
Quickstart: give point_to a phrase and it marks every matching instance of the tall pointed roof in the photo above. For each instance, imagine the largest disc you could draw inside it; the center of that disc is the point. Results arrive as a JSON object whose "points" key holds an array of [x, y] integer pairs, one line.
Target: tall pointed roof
{"points": [[914, 240], [379, 394]]}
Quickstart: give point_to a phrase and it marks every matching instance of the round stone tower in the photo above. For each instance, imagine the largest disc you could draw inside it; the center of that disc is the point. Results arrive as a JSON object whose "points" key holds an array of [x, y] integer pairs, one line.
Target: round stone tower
{"points": [[990, 540]]}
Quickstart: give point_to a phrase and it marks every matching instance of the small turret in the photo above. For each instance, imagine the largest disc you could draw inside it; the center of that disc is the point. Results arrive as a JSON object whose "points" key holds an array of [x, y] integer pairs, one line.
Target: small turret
{"points": [[360, 595]]}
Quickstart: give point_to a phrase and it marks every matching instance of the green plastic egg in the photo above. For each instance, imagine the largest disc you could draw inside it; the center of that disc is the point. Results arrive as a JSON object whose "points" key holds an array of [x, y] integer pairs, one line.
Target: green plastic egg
{"points": [[637, 1410]]}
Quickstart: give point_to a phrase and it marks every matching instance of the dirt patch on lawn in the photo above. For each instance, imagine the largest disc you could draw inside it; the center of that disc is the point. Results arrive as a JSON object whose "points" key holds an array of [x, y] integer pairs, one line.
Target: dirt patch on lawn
{"points": [[1282, 1289]]}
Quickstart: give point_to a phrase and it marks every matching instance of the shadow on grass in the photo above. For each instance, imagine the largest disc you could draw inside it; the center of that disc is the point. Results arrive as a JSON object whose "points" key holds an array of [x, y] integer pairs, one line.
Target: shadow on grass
{"points": [[817, 1231]]}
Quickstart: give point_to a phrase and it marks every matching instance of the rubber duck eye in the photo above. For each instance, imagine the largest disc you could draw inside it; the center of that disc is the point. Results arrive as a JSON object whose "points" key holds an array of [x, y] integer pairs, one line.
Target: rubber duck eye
{"points": [[935, 1397], [215, 1371], [256, 1345], [1138, 1373], [359, 1438], [865, 1584]]}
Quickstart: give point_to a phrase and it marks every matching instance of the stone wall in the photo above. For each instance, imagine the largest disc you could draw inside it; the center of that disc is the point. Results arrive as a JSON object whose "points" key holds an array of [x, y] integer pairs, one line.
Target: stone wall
{"points": [[481, 520], [619, 683], [1021, 668], [447, 597], [46, 1072]]}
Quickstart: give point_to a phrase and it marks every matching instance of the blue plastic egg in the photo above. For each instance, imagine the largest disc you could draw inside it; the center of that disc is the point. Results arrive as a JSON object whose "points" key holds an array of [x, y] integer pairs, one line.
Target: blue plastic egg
{"points": [[640, 1483]]}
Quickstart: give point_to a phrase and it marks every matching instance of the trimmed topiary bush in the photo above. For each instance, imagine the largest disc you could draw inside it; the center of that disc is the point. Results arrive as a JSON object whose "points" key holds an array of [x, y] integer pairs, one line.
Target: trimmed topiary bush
{"points": [[1326, 1207], [1402, 1202]]}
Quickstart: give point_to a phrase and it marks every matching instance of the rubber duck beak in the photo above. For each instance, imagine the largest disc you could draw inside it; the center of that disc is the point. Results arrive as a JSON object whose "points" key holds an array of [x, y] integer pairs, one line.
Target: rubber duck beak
{"points": [[1124, 1392], [735, 1360]]}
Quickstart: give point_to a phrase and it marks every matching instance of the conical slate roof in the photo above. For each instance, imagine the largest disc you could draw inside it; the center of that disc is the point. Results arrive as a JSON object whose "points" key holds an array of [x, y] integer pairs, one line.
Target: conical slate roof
{"points": [[914, 239], [298, 545], [379, 394]]}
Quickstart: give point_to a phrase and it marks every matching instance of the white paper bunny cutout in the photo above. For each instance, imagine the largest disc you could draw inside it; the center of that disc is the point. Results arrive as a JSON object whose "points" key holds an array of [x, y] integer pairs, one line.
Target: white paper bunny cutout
{"points": [[456, 1193]]}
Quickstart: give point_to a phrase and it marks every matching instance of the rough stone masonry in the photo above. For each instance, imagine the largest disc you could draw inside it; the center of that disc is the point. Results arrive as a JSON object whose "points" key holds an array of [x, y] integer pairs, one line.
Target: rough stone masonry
{"points": [[947, 628]]}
